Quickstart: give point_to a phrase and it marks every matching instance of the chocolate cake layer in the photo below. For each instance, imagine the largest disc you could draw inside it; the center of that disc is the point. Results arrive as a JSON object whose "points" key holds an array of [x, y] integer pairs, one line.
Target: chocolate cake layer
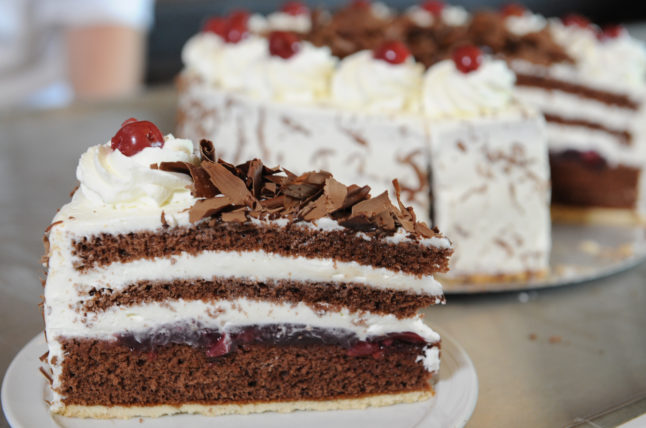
{"points": [[112, 374], [623, 137], [215, 235], [319, 295], [589, 181], [583, 91]]}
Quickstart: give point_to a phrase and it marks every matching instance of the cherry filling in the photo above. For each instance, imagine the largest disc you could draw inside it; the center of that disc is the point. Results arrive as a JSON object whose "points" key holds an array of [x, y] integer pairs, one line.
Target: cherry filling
{"points": [[575, 20], [284, 44], [232, 28], [295, 8], [433, 7], [467, 58], [393, 52], [589, 158], [135, 135], [513, 9], [216, 344]]}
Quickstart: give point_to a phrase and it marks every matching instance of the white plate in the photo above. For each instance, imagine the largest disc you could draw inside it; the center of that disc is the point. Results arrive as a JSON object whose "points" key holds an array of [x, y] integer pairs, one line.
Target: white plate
{"points": [[24, 391], [579, 253]]}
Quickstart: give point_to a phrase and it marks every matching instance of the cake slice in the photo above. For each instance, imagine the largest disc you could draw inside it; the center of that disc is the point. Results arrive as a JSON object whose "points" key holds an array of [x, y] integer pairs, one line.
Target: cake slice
{"points": [[179, 283]]}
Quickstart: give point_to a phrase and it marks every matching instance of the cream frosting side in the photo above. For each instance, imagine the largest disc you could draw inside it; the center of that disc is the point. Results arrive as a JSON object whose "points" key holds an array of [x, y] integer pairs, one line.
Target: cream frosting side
{"points": [[108, 176], [491, 193], [448, 92], [363, 82]]}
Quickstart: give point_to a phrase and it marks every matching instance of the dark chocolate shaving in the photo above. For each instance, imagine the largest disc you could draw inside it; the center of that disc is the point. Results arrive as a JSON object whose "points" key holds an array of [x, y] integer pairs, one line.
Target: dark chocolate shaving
{"points": [[236, 193]]}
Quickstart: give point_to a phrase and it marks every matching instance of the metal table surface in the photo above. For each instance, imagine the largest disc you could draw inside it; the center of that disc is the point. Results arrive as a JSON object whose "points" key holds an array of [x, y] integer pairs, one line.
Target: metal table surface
{"points": [[544, 358]]}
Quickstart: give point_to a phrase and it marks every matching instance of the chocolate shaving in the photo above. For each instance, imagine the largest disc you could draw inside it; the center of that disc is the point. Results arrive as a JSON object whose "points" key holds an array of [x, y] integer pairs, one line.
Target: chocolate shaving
{"points": [[52, 225], [228, 183], [208, 207], [236, 193], [207, 150]]}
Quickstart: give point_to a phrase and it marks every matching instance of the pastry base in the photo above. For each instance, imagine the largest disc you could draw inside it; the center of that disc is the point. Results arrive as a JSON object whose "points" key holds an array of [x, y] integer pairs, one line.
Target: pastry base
{"points": [[125, 412], [482, 278], [606, 216]]}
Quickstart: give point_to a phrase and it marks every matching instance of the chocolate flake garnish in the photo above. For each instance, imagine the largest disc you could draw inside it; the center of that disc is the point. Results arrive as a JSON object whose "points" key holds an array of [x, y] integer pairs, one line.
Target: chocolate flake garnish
{"points": [[236, 193]]}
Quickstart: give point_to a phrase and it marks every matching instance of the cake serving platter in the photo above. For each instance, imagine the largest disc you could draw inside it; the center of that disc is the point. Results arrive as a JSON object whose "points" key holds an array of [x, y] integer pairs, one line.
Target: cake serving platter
{"points": [[579, 253], [24, 391]]}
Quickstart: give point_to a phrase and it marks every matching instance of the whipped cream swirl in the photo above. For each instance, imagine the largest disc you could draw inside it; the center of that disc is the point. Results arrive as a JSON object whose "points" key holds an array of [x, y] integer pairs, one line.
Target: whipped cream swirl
{"points": [[109, 177], [451, 15], [448, 92], [280, 21], [305, 77], [578, 42], [527, 23], [363, 82], [618, 63], [202, 55]]}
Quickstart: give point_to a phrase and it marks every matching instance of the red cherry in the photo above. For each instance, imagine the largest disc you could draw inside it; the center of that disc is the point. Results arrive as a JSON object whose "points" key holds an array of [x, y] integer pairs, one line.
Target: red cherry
{"points": [[217, 25], [513, 9], [361, 4], [575, 20], [467, 58], [394, 52], [592, 158], [611, 32], [134, 136], [295, 8], [283, 44], [237, 26], [221, 347], [362, 349], [433, 7]]}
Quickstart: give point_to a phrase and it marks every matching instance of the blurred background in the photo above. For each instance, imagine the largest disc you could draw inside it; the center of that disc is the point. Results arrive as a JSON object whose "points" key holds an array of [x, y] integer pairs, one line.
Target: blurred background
{"points": [[53, 52]]}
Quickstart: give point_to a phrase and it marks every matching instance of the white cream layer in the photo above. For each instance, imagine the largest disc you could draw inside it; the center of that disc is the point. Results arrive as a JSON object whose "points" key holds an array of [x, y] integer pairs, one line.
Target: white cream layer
{"points": [[249, 265], [226, 315]]}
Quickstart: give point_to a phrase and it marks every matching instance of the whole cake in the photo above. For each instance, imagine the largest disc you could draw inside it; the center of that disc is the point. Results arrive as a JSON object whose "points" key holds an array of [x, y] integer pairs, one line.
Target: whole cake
{"points": [[468, 154], [180, 283]]}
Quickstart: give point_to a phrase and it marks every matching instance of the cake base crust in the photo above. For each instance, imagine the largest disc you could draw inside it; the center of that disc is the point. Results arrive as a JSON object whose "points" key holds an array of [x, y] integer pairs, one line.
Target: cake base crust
{"points": [[125, 412], [607, 216], [502, 278]]}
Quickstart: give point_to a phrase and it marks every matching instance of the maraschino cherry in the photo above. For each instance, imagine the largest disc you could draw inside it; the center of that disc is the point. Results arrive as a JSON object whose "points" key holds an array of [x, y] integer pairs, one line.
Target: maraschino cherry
{"points": [[513, 9], [232, 28], [575, 20], [284, 44], [611, 32], [360, 4], [467, 58], [135, 135], [295, 8], [393, 52], [434, 7]]}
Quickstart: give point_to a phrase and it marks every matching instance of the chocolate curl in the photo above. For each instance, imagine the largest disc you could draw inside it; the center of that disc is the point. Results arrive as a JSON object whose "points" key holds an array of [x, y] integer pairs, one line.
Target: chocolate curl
{"points": [[334, 194], [207, 150], [208, 207], [202, 186], [236, 216], [254, 174], [355, 195], [229, 184]]}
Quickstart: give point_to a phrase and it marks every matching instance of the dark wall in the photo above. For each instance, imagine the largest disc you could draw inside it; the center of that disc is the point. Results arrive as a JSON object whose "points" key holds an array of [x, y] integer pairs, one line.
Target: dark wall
{"points": [[177, 20]]}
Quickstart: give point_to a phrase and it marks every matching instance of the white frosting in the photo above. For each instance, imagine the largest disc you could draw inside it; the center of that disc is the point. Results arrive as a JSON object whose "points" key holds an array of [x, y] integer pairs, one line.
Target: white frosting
{"points": [[448, 92], [369, 84], [226, 264], [108, 176], [619, 62], [280, 21], [527, 23], [578, 42], [305, 77], [202, 54], [491, 192], [381, 10], [451, 15]]}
